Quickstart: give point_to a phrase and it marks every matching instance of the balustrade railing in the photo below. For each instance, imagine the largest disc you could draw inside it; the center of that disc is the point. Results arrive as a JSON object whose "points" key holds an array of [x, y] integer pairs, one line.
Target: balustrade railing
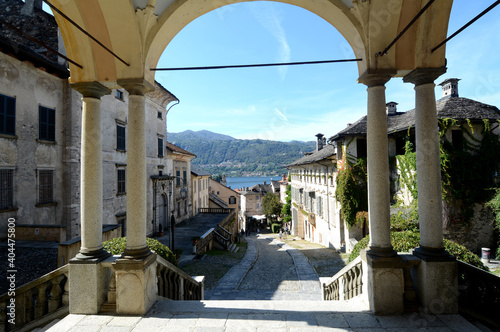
{"points": [[175, 284], [222, 240], [224, 232], [478, 294], [214, 210], [37, 302], [346, 284]]}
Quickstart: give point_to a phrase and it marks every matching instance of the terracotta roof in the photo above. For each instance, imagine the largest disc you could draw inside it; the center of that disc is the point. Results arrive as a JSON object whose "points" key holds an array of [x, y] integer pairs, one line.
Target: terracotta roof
{"points": [[326, 153], [175, 148], [449, 107]]}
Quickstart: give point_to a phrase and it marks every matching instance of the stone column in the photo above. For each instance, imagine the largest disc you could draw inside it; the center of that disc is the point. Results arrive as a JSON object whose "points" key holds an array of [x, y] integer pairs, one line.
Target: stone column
{"points": [[379, 199], [136, 180], [87, 278], [437, 274], [136, 270], [384, 273]]}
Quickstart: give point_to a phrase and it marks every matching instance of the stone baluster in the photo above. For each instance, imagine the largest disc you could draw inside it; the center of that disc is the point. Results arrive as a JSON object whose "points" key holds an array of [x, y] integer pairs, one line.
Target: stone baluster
{"points": [[55, 296], [41, 300], [65, 295]]}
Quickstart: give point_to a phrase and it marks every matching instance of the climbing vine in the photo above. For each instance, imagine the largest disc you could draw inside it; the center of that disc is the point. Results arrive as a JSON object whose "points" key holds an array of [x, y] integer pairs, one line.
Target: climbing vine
{"points": [[351, 190], [407, 165], [468, 169]]}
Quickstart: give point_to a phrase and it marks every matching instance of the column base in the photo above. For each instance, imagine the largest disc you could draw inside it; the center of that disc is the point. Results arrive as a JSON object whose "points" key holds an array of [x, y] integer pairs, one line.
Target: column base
{"points": [[385, 280], [94, 256], [88, 283], [428, 254], [136, 286], [381, 252], [136, 253], [436, 283]]}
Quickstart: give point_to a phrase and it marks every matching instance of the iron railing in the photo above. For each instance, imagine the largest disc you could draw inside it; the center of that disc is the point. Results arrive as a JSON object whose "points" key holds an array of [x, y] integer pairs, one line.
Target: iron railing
{"points": [[478, 294]]}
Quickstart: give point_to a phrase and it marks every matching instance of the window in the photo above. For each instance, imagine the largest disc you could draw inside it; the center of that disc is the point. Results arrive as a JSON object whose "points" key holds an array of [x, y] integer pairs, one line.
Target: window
{"points": [[184, 176], [232, 200], [178, 209], [47, 124], [185, 207], [119, 94], [7, 115], [361, 148], [194, 187], [120, 137], [178, 178], [160, 115], [6, 189], [45, 186], [160, 146], [120, 182], [457, 139]]}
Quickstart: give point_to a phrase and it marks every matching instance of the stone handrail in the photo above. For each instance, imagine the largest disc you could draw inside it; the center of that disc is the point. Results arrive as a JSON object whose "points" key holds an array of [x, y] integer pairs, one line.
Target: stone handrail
{"points": [[224, 232], [222, 240], [346, 284], [36, 303], [218, 201], [175, 284]]}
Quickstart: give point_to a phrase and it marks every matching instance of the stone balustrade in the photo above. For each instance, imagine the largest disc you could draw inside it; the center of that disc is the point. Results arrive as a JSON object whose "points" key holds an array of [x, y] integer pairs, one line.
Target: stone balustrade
{"points": [[175, 284], [37, 302], [346, 284]]}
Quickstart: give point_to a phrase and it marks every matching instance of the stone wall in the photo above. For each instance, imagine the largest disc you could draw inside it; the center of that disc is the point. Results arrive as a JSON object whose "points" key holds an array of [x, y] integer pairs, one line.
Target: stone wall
{"points": [[474, 233]]}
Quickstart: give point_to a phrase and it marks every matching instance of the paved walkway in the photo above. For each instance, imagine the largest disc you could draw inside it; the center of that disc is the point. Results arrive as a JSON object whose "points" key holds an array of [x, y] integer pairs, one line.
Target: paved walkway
{"points": [[270, 270]]}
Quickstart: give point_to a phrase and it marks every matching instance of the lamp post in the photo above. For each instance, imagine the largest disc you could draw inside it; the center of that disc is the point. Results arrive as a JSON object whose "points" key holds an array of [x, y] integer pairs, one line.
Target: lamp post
{"points": [[183, 192]]}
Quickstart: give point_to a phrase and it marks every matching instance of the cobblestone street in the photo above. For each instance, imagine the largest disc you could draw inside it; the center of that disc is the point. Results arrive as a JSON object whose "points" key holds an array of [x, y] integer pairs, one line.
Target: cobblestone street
{"points": [[270, 270]]}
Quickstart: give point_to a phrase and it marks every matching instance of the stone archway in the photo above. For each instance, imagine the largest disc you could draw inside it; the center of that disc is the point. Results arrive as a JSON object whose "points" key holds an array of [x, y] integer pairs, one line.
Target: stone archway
{"points": [[138, 31]]}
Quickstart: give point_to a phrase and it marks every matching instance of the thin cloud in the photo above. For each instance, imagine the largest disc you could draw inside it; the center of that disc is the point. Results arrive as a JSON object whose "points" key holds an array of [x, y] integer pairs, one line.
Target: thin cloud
{"points": [[268, 17]]}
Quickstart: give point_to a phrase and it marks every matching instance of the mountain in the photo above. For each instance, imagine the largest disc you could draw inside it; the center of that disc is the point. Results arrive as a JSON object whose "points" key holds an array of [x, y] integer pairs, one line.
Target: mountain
{"points": [[201, 135], [222, 154]]}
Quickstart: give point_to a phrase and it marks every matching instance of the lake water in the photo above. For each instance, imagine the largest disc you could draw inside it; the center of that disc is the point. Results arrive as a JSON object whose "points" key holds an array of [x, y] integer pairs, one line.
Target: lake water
{"points": [[247, 181]]}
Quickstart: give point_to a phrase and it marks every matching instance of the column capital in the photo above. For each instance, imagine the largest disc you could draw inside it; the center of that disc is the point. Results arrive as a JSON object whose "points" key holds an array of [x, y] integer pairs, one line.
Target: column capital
{"points": [[91, 89], [424, 75], [136, 86], [376, 77]]}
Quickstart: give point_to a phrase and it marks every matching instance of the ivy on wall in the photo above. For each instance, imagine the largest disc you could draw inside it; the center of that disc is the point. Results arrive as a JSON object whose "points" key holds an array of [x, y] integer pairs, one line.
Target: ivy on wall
{"points": [[352, 188], [407, 165]]}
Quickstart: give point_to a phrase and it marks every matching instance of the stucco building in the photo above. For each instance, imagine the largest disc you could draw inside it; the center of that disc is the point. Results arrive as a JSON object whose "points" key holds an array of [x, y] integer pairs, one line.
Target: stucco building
{"points": [[200, 189], [40, 136]]}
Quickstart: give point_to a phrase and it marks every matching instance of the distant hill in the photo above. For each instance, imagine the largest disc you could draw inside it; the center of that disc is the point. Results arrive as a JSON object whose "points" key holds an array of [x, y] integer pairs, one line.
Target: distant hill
{"points": [[202, 135], [222, 154]]}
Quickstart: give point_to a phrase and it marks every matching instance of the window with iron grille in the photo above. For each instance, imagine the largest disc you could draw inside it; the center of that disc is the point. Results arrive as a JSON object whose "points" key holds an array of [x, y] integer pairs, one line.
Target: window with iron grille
{"points": [[47, 124], [6, 189], [160, 147], [120, 137], [45, 186], [120, 182], [7, 115]]}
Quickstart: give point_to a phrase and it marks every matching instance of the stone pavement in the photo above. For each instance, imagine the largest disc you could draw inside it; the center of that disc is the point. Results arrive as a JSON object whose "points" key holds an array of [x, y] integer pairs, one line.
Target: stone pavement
{"points": [[260, 316], [270, 270]]}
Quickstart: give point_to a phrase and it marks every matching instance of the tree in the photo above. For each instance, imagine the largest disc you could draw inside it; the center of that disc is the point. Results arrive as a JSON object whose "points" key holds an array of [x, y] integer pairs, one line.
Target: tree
{"points": [[272, 205], [286, 211]]}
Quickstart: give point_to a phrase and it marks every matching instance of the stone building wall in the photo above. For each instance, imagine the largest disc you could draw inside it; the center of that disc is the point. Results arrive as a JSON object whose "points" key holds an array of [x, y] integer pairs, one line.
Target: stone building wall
{"points": [[32, 88]]}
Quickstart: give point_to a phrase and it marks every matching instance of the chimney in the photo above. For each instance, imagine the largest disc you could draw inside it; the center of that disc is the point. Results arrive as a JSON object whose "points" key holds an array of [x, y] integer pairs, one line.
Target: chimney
{"points": [[319, 142], [30, 5], [450, 87], [391, 108]]}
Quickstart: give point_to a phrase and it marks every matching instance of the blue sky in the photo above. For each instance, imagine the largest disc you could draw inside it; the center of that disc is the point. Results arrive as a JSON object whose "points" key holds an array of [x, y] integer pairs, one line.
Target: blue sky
{"points": [[297, 102]]}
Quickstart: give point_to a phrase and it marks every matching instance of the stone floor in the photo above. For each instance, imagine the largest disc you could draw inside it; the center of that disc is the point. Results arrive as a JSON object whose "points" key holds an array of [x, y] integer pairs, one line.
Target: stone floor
{"points": [[260, 316]]}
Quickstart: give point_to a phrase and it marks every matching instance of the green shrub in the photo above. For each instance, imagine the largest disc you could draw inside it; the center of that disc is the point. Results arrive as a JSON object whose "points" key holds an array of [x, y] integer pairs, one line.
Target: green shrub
{"points": [[405, 241], [406, 219], [275, 228], [117, 246]]}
